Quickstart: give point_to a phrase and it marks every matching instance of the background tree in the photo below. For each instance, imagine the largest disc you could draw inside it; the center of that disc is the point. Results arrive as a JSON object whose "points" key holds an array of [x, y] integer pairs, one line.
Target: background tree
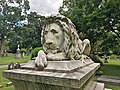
{"points": [[98, 20], [36, 21], [27, 35], [11, 11]]}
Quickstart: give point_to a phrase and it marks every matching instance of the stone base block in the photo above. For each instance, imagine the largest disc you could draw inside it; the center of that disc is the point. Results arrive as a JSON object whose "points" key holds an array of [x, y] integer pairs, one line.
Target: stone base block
{"points": [[59, 66], [94, 86], [24, 79], [99, 86], [110, 79]]}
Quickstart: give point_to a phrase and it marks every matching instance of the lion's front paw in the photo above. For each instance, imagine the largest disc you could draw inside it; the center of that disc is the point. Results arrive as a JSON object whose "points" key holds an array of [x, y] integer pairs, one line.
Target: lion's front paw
{"points": [[41, 61]]}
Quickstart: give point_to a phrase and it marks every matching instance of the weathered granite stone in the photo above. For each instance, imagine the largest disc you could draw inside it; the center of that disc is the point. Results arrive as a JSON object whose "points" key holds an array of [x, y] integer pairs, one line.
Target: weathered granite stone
{"points": [[110, 79], [61, 42], [94, 86], [9, 84], [99, 86], [24, 79], [59, 66], [18, 53], [29, 65]]}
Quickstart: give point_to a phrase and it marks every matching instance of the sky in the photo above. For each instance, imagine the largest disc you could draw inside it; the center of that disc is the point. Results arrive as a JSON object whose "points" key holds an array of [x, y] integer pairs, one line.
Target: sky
{"points": [[45, 7]]}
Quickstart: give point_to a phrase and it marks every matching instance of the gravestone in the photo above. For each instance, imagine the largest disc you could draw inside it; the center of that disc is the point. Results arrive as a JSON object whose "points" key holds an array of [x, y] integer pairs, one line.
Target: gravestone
{"points": [[17, 65], [18, 53], [10, 65], [1, 86], [8, 84], [63, 64], [105, 59], [6, 54]]}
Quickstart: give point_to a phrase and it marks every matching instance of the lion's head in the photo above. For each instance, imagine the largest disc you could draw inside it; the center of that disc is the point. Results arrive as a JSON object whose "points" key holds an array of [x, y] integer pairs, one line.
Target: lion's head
{"points": [[59, 35]]}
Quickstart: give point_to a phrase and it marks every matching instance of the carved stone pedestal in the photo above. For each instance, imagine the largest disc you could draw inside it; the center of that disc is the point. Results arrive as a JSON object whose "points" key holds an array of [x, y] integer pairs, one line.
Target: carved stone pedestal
{"points": [[51, 79]]}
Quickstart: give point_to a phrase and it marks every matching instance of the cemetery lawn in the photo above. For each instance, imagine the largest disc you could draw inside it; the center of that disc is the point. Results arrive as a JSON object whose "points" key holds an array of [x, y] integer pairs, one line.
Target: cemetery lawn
{"points": [[5, 60], [112, 68], [112, 87], [4, 81]]}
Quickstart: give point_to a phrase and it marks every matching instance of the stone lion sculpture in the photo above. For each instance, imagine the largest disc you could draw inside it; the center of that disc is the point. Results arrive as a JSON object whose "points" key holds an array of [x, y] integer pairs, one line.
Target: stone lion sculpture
{"points": [[61, 42]]}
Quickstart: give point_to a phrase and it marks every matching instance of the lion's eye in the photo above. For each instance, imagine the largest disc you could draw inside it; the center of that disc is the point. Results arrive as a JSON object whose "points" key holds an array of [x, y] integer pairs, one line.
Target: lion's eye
{"points": [[45, 32], [54, 31]]}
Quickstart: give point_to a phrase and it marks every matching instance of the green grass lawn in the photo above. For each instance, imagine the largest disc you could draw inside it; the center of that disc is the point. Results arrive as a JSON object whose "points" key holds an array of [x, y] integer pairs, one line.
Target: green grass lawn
{"points": [[5, 61], [112, 68], [4, 81], [11, 57], [112, 87]]}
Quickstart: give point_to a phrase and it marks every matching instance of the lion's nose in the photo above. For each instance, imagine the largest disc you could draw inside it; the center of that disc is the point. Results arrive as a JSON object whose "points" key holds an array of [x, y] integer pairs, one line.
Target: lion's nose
{"points": [[48, 42]]}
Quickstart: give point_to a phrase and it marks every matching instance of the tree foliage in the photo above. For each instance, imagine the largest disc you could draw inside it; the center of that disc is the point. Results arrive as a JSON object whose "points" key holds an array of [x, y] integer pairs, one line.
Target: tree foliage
{"points": [[11, 11], [98, 20], [28, 35]]}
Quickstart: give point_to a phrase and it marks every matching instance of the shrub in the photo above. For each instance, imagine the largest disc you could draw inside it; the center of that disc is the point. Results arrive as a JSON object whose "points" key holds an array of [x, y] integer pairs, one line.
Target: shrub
{"points": [[23, 50], [113, 56], [96, 59], [35, 51]]}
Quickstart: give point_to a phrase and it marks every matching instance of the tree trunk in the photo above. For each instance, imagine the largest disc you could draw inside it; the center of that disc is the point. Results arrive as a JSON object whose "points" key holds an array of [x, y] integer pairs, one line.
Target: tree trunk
{"points": [[2, 45]]}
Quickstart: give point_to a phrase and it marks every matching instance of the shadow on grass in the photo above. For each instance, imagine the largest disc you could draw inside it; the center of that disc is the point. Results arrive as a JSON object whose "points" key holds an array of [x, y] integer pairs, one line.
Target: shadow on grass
{"points": [[111, 69], [112, 87]]}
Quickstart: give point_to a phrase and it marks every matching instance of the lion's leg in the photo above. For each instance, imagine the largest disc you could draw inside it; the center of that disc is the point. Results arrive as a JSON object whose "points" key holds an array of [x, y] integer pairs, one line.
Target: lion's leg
{"points": [[86, 47], [41, 60]]}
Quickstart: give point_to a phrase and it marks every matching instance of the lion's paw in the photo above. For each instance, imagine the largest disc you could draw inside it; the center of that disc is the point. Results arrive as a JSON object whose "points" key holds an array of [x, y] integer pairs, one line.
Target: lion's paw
{"points": [[41, 60]]}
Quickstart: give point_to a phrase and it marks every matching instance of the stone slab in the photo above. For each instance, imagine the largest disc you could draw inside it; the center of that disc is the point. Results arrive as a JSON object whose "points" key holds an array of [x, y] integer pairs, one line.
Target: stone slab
{"points": [[110, 79], [107, 89], [59, 66], [9, 84], [91, 86], [99, 86], [29, 65], [69, 80], [94, 86], [66, 66]]}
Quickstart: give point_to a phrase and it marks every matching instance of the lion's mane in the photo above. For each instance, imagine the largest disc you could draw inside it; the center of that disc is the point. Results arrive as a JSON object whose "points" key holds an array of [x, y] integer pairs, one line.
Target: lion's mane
{"points": [[71, 38]]}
